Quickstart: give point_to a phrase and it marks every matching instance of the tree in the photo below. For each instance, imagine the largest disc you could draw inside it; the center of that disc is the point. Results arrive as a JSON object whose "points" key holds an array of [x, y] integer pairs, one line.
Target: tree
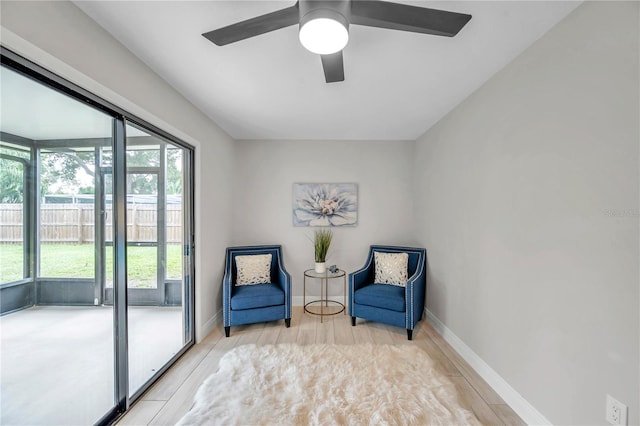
{"points": [[11, 181], [174, 171], [147, 184], [59, 170]]}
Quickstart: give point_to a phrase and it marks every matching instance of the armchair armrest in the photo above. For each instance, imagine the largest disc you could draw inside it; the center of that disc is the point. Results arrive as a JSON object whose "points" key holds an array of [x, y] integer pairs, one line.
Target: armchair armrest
{"points": [[227, 289], [226, 281], [357, 280], [284, 279], [415, 295]]}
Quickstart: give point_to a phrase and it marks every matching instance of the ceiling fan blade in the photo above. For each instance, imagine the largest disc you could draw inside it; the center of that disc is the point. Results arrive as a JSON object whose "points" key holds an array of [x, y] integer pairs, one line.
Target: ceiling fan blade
{"points": [[403, 17], [255, 26], [333, 67]]}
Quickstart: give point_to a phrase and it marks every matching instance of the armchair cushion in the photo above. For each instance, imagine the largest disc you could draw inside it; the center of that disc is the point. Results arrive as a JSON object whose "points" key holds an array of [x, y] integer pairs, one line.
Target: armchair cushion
{"points": [[391, 268], [385, 296], [253, 269], [256, 296]]}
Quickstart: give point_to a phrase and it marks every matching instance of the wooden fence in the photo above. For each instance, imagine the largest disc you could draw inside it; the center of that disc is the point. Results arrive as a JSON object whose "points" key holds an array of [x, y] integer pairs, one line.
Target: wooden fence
{"points": [[75, 223]]}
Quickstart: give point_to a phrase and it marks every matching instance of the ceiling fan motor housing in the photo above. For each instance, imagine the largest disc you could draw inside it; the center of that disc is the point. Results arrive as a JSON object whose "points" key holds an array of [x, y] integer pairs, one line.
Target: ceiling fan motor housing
{"points": [[338, 10]]}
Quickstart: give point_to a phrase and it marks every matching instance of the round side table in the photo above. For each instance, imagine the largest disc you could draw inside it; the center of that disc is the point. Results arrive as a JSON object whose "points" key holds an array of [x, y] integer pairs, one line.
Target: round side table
{"points": [[324, 300]]}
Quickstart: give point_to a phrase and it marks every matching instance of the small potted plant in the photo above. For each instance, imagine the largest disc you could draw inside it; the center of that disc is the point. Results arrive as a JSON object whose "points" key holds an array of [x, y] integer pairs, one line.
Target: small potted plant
{"points": [[321, 243]]}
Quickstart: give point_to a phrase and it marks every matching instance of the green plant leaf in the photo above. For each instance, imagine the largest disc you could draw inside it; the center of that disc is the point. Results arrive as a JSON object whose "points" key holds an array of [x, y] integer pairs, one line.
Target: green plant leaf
{"points": [[321, 244]]}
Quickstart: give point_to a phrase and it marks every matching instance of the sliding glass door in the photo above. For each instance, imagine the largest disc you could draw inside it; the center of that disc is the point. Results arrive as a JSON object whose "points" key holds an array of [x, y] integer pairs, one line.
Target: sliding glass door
{"points": [[155, 240], [57, 355], [96, 236]]}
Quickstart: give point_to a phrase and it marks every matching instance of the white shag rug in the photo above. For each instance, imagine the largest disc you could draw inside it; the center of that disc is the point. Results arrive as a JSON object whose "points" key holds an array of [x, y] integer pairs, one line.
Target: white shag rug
{"points": [[289, 384]]}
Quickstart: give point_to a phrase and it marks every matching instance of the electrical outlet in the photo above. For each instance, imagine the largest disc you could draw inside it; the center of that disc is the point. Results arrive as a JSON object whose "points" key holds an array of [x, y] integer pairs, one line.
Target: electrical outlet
{"points": [[616, 413]]}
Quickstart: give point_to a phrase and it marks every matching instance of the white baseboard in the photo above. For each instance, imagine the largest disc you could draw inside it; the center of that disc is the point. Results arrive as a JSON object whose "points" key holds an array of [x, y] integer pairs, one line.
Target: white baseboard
{"points": [[208, 326], [521, 406]]}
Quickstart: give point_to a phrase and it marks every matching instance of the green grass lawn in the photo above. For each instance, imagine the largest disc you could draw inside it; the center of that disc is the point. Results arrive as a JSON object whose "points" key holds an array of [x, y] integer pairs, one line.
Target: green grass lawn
{"points": [[77, 261]]}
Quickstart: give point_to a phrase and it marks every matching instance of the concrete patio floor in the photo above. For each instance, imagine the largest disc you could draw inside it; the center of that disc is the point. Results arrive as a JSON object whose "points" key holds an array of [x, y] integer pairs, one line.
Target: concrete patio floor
{"points": [[56, 362]]}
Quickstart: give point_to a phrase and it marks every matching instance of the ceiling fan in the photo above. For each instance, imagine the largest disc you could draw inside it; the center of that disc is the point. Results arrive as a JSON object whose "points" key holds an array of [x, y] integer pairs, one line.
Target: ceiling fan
{"points": [[324, 25]]}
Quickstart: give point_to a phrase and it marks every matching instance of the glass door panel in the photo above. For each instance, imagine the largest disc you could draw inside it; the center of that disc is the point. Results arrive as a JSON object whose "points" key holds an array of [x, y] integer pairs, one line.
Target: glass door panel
{"points": [[106, 236], [174, 215], [57, 354], [154, 261]]}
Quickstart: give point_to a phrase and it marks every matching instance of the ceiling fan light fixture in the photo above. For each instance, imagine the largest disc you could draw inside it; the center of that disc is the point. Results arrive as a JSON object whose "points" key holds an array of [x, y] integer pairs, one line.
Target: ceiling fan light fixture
{"points": [[324, 32]]}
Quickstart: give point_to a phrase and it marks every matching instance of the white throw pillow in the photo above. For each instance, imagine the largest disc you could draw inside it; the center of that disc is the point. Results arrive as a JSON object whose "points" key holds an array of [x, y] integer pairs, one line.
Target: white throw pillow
{"points": [[391, 268], [254, 269]]}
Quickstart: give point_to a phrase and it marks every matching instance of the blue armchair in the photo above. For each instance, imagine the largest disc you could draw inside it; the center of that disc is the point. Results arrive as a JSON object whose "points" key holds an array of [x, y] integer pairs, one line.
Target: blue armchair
{"points": [[247, 304], [387, 303]]}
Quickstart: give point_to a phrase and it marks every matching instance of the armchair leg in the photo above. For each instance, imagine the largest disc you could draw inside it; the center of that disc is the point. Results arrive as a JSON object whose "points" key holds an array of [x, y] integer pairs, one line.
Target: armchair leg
{"points": [[409, 334], [287, 322], [227, 330], [353, 321]]}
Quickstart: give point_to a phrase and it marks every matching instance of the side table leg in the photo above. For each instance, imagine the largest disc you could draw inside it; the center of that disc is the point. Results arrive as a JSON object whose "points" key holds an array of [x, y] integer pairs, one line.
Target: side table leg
{"points": [[326, 289], [344, 298], [321, 306]]}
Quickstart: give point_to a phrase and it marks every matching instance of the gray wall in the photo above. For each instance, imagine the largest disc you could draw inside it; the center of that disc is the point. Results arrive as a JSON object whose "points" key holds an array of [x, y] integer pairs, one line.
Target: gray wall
{"points": [[82, 52], [527, 200], [266, 171]]}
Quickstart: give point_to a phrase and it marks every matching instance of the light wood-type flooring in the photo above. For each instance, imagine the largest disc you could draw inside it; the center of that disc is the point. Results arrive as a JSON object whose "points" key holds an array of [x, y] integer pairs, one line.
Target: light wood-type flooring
{"points": [[172, 396]]}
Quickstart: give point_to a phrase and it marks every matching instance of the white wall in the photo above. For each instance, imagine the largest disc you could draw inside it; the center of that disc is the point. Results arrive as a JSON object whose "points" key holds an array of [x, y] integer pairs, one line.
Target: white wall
{"points": [[526, 197], [61, 38], [264, 178], [527, 201]]}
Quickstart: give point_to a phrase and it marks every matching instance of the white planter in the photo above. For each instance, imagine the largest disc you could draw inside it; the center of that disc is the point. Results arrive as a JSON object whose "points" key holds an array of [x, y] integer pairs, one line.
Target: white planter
{"points": [[321, 267]]}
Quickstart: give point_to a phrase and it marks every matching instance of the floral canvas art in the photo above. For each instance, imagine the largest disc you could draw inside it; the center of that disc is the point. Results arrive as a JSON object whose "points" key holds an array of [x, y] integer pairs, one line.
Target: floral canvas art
{"points": [[325, 204]]}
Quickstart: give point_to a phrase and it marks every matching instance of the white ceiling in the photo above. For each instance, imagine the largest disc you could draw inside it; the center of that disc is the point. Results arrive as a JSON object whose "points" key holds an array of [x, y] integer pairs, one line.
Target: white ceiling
{"points": [[397, 84]]}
